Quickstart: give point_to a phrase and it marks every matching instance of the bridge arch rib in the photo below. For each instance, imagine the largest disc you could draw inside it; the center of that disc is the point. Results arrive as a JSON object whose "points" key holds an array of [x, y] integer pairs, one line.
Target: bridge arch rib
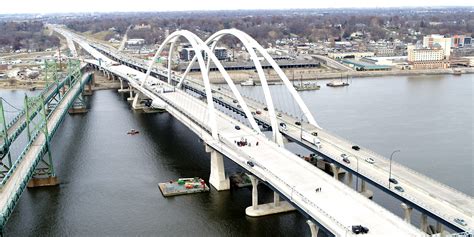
{"points": [[199, 47], [252, 47]]}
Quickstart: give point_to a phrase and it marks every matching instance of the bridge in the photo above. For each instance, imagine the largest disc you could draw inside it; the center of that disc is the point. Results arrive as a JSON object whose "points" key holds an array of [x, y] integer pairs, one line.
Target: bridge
{"points": [[433, 199], [41, 117], [334, 210]]}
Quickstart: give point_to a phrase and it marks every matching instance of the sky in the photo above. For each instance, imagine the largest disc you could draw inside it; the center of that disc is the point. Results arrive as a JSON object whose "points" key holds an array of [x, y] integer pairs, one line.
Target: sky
{"points": [[61, 6]]}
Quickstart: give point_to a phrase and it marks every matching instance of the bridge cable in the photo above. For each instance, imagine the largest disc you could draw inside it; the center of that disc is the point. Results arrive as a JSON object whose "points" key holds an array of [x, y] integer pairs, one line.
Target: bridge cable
{"points": [[8, 103]]}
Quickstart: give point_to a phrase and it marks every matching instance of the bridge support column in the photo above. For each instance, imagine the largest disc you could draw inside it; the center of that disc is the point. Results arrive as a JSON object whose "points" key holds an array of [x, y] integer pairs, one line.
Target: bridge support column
{"points": [[130, 88], [136, 102], [217, 177], [335, 171], [364, 191], [407, 212], [440, 229], [276, 199], [313, 228], [424, 222], [266, 209], [349, 179]]}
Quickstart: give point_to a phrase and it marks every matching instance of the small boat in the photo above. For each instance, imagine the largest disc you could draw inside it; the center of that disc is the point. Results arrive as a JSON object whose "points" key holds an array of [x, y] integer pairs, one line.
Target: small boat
{"points": [[337, 84], [457, 72], [248, 82], [132, 132]]}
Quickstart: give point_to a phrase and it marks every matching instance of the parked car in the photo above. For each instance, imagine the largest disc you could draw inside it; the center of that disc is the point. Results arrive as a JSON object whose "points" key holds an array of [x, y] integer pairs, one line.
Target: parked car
{"points": [[283, 126], [393, 180], [279, 114], [253, 113], [235, 101], [343, 155], [314, 134], [266, 109], [298, 123], [369, 160], [238, 106], [356, 147], [358, 229], [460, 221], [237, 127], [399, 188], [250, 163], [258, 112]]}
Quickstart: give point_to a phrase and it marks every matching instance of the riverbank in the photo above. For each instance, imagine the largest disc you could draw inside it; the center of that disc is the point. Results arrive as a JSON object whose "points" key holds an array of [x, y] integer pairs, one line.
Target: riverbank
{"points": [[101, 83], [315, 74]]}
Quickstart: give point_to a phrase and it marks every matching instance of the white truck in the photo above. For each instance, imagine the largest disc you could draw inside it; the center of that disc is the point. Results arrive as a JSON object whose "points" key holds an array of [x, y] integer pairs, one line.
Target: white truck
{"points": [[311, 139]]}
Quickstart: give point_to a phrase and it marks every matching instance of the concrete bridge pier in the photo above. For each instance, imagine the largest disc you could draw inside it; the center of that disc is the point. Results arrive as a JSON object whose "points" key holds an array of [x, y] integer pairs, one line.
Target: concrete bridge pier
{"points": [[136, 105], [88, 88], [336, 172], [266, 209], [407, 212], [43, 182], [349, 179], [424, 222], [130, 98], [217, 177], [313, 228], [364, 191]]}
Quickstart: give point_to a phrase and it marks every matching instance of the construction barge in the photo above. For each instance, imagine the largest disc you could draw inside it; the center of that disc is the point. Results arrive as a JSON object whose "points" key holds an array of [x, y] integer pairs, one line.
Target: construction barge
{"points": [[183, 186]]}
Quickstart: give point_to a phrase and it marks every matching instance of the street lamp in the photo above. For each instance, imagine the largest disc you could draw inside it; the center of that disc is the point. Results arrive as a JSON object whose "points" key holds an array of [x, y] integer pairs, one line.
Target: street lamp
{"points": [[390, 170]]}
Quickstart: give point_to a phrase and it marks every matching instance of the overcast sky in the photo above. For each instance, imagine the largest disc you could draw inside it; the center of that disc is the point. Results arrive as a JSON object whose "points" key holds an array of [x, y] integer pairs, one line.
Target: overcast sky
{"points": [[53, 6]]}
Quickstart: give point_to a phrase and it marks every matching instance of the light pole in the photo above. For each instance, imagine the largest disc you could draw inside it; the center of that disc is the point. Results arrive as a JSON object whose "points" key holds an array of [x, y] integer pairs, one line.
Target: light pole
{"points": [[357, 176], [390, 170]]}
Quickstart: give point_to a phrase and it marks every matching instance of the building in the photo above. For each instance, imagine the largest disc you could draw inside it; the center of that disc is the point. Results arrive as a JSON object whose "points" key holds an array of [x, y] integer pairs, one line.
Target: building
{"points": [[221, 53], [432, 41], [426, 58], [360, 65], [354, 55], [460, 41], [187, 53], [135, 42]]}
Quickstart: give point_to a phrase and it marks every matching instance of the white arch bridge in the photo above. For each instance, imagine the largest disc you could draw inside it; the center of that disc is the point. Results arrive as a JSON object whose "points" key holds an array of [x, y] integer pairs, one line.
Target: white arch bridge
{"points": [[337, 207]]}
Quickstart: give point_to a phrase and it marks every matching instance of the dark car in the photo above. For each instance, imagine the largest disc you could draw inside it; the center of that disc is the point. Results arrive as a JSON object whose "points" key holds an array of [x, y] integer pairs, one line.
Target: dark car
{"points": [[298, 123], [250, 163], [393, 180], [356, 147], [235, 101], [399, 188], [258, 112], [314, 134], [358, 229], [345, 159], [237, 127], [266, 109], [460, 221]]}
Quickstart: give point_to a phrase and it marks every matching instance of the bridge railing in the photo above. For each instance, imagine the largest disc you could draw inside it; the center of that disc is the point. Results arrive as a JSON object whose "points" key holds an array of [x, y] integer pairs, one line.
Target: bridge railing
{"points": [[270, 177]]}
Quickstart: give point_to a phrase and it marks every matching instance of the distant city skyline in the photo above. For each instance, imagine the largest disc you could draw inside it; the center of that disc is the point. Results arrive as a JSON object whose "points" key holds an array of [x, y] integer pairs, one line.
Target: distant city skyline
{"points": [[61, 6]]}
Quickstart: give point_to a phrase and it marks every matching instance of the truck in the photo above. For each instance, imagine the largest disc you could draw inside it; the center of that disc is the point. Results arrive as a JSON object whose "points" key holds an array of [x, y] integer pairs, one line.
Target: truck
{"points": [[311, 139]]}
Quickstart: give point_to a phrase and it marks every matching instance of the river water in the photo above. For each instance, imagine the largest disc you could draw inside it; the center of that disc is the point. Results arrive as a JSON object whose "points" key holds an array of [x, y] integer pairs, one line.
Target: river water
{"points": [[109, 181]]}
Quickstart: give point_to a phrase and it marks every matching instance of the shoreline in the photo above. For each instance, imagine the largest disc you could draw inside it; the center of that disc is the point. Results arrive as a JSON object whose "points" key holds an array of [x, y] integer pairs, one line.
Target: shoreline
{"points": [[240, 76]]}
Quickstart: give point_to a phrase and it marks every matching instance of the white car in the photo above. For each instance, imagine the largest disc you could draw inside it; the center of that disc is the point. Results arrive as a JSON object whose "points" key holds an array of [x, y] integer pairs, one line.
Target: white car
{"points": [[369, 160]]}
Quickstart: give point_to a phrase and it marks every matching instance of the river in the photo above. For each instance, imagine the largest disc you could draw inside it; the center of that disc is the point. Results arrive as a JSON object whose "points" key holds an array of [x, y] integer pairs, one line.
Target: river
{"points": [[109, 181]]}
